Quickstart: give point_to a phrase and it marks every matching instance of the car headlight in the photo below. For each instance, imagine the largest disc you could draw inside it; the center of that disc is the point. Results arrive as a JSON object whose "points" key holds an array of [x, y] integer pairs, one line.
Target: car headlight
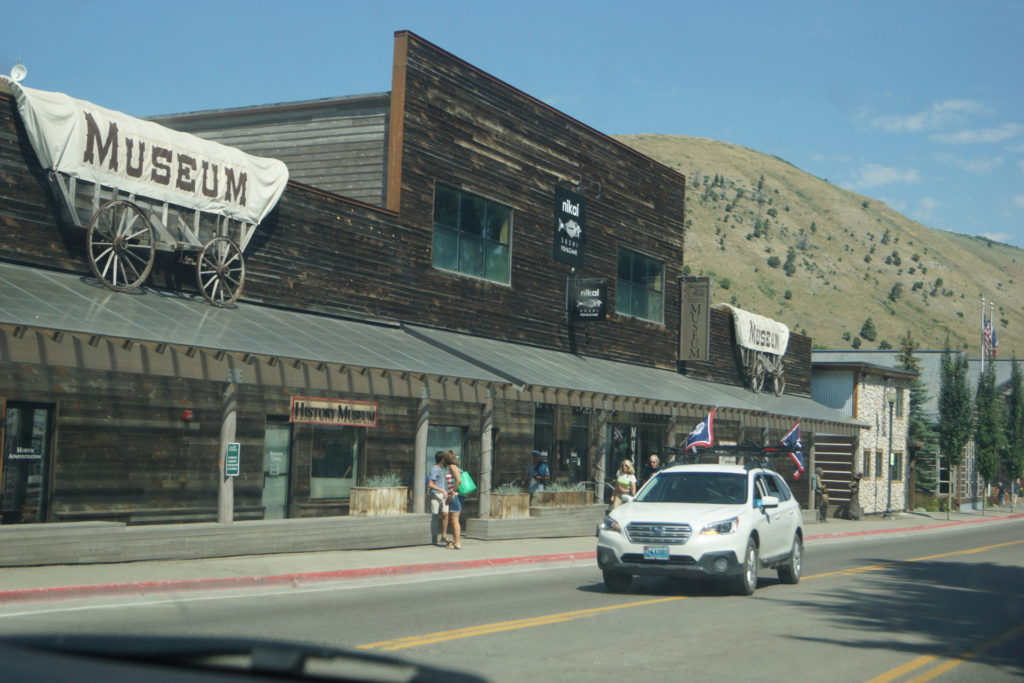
{"points": [[726, 526], [609, 524]]}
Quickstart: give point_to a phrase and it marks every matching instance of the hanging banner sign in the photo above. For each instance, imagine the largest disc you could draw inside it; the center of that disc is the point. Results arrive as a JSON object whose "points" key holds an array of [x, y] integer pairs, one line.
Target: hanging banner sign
{"points": [[329, 411], [570, 225], [588, 298], [694, 318], [756, 332]]}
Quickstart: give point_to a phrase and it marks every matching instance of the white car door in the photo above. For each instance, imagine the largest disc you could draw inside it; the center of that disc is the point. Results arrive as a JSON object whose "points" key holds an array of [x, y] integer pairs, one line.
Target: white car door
{"points": [[774, 528]]}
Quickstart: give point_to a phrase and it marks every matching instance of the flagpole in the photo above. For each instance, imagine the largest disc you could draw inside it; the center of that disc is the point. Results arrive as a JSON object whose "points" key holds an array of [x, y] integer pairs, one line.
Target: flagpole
{"points": [[983, 334], [992, 329]]}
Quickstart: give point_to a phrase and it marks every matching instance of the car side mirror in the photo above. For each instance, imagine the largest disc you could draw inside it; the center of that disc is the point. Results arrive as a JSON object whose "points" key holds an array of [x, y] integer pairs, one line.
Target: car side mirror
{"points": [[626, 498], [770, 502]]}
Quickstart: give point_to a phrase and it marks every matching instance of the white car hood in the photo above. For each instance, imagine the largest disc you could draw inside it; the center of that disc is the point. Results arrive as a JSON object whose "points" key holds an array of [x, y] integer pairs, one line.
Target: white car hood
{"points": [[694, 514]]}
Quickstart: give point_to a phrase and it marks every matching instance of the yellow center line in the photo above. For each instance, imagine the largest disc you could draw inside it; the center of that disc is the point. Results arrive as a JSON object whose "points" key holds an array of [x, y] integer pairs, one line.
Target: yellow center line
{"points": [[469, 632], [960, 659], [544, 620], [903, 670]]}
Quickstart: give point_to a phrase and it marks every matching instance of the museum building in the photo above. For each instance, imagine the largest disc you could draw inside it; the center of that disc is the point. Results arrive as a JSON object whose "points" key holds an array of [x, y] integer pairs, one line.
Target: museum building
{"points": [[453, 264]]}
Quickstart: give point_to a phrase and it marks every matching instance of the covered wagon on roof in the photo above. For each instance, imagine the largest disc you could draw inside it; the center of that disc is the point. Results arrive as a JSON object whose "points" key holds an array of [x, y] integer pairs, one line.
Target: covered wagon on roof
{"points": [[138, 187]]}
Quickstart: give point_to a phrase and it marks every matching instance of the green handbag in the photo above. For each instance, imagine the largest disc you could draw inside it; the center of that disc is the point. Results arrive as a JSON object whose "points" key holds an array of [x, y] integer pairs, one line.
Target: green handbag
{"points": [[466, 484]]}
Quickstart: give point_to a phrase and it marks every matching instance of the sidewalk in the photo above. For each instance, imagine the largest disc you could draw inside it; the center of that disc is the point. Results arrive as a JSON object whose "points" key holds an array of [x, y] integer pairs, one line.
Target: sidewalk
{"points": [[18, 584]]}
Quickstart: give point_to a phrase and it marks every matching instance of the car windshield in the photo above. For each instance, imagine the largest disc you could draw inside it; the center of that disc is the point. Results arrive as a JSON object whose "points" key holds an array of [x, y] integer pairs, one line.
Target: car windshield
{"points": [[696, 487]]}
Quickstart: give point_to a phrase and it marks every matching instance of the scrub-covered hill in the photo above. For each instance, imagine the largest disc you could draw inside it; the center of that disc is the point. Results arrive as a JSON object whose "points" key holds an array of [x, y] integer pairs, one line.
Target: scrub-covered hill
{"points": [[843, 268]]}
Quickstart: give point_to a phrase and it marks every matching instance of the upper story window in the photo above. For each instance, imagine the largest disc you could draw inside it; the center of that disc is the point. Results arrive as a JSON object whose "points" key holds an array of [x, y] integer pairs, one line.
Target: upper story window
{"points": [[471, 234], [640, 290]]}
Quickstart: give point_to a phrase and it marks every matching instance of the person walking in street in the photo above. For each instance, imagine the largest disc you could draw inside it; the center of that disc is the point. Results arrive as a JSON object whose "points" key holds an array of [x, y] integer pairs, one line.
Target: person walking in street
{"points": [[538, 474], [453, 477], [625, 483], [437, 495]]}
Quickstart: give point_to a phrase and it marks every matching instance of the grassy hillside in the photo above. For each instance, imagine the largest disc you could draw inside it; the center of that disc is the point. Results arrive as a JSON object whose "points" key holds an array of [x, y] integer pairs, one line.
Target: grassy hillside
{"points": [[780, 242]]}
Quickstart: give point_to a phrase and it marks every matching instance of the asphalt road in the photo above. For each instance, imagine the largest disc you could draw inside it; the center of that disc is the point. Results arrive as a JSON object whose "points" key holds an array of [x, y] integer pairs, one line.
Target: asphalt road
{"points": [[945, 604]]}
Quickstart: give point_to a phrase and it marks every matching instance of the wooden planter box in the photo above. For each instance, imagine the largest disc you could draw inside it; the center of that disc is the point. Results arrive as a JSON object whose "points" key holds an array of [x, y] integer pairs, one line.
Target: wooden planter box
{"points": [[562, 499], [378, 502], [510, 505]]}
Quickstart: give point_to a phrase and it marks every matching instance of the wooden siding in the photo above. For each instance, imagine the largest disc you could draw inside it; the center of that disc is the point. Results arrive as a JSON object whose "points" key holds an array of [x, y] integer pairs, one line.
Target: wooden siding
{"points": [[337, 145], [726, 366]]}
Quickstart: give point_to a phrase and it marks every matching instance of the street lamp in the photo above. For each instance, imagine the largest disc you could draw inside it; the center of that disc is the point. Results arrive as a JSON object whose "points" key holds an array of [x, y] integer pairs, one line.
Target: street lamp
{"points": [[890, 397]]}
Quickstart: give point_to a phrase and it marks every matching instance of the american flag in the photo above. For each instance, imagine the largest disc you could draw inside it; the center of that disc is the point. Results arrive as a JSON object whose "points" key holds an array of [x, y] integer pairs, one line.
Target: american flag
{"points": [[986, 328]]}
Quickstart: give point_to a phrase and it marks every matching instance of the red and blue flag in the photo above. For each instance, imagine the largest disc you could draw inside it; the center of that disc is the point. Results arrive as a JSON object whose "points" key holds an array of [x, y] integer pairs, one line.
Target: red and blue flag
{"points": [[703, 434], [791, 441]]}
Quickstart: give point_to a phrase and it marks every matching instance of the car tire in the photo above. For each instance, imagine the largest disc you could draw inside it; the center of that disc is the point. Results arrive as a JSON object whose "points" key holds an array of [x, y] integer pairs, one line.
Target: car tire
{"points": [[790, 571], [617, 582], [745, 582]]}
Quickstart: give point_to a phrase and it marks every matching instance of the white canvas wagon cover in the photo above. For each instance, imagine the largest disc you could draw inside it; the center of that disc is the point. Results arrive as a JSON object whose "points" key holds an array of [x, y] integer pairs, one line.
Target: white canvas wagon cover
{"points": [[140, 157]]}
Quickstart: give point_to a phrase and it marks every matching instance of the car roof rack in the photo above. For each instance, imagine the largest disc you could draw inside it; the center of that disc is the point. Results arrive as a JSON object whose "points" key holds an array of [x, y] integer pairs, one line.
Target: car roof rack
{"points": [[751, 456]]}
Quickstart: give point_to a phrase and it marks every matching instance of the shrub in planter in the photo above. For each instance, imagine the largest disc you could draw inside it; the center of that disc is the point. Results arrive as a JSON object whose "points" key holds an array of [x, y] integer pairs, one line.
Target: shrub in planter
{"points": [[509, 501], [563, 495], [381, 495]]}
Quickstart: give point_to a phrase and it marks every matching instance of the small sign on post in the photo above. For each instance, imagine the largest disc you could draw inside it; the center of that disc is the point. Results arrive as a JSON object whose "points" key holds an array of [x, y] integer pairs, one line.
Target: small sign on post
{"points": [[233, 460]]}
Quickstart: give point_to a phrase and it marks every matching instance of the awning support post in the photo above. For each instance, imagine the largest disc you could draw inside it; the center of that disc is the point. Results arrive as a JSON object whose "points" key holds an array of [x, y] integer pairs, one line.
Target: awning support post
{"points": [[486, 453], [419, 466]]}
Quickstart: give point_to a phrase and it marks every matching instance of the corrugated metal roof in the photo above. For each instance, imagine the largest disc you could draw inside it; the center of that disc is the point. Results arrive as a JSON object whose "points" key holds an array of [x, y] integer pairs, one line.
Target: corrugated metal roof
{"points": [[559, 369], [80, 305], [58, 301]]}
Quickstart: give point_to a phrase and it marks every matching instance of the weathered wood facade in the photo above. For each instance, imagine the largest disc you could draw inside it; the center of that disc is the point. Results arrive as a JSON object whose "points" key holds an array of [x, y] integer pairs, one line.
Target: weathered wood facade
{"points": [[119, 444]]}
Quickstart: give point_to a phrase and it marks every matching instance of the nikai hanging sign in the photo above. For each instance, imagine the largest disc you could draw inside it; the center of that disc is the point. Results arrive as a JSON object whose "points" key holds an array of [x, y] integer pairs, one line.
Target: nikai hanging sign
{"points": [[570, 227]]}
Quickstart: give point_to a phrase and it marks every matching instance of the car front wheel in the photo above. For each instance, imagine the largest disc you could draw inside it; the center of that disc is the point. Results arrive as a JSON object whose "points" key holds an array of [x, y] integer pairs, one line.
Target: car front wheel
{"points": [[793, 567], [618, 582], [746, 581]]}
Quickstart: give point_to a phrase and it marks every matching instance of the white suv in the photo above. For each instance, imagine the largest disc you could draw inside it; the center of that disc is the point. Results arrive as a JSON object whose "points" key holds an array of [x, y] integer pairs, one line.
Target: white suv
{"points": [[723, 521]]}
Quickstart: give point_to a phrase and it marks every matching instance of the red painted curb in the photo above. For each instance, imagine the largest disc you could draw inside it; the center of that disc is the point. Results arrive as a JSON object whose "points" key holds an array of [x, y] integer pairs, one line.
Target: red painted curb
{"points": [[923, 527], [296, 579], [172, 585]]}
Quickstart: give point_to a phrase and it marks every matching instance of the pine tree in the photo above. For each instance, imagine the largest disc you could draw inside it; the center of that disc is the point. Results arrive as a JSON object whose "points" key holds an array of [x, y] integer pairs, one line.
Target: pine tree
{"points": [[954, 412], [923, 448], [1013, 456], [989, 430]]}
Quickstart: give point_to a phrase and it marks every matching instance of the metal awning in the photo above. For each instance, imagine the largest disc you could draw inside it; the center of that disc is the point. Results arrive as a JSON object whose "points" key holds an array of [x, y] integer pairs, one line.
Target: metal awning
{"points": [[80, 305], [529, 365], [39, 299]]}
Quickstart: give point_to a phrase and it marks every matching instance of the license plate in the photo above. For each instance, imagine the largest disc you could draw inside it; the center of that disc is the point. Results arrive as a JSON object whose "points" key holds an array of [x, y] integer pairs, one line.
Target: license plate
{"points": [[655, 552]]}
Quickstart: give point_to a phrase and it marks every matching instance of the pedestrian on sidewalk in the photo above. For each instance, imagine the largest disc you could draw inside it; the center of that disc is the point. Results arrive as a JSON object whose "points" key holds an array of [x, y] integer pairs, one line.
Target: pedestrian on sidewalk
{"points": [[538, 474], [437, 494], [652, 467], [625, 483], [453, 477], [822, 490]]}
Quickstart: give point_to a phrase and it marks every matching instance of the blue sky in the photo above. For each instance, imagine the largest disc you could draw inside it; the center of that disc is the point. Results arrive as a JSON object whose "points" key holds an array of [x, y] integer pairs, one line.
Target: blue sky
{"points": [[917, 104]]}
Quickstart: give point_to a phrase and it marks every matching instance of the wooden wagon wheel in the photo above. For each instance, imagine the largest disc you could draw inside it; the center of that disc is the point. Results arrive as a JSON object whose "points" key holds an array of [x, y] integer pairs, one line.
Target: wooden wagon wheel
{"points": [[779, 379], [220, 271], [757, 374], [121, 245]]}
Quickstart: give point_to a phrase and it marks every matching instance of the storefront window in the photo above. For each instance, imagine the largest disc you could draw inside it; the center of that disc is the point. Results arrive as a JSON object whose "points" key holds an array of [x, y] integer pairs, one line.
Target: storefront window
{"points": [[444, 438], [544, 427], [335, 460], [471, 235], [640, 290], [25, 463]]}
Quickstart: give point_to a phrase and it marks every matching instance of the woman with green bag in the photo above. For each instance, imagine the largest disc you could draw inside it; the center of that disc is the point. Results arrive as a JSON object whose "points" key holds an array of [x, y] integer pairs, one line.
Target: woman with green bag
{"points": [[453, 478]]}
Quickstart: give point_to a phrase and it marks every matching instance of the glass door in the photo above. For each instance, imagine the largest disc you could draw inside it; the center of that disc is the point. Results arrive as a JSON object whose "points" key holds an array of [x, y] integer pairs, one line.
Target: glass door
{"points": [[276, 469], [26, 457]]}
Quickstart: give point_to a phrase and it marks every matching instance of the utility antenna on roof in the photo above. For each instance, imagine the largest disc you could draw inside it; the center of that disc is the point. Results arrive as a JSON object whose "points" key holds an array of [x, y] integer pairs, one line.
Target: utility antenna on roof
{"points": [[18, 72]]}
